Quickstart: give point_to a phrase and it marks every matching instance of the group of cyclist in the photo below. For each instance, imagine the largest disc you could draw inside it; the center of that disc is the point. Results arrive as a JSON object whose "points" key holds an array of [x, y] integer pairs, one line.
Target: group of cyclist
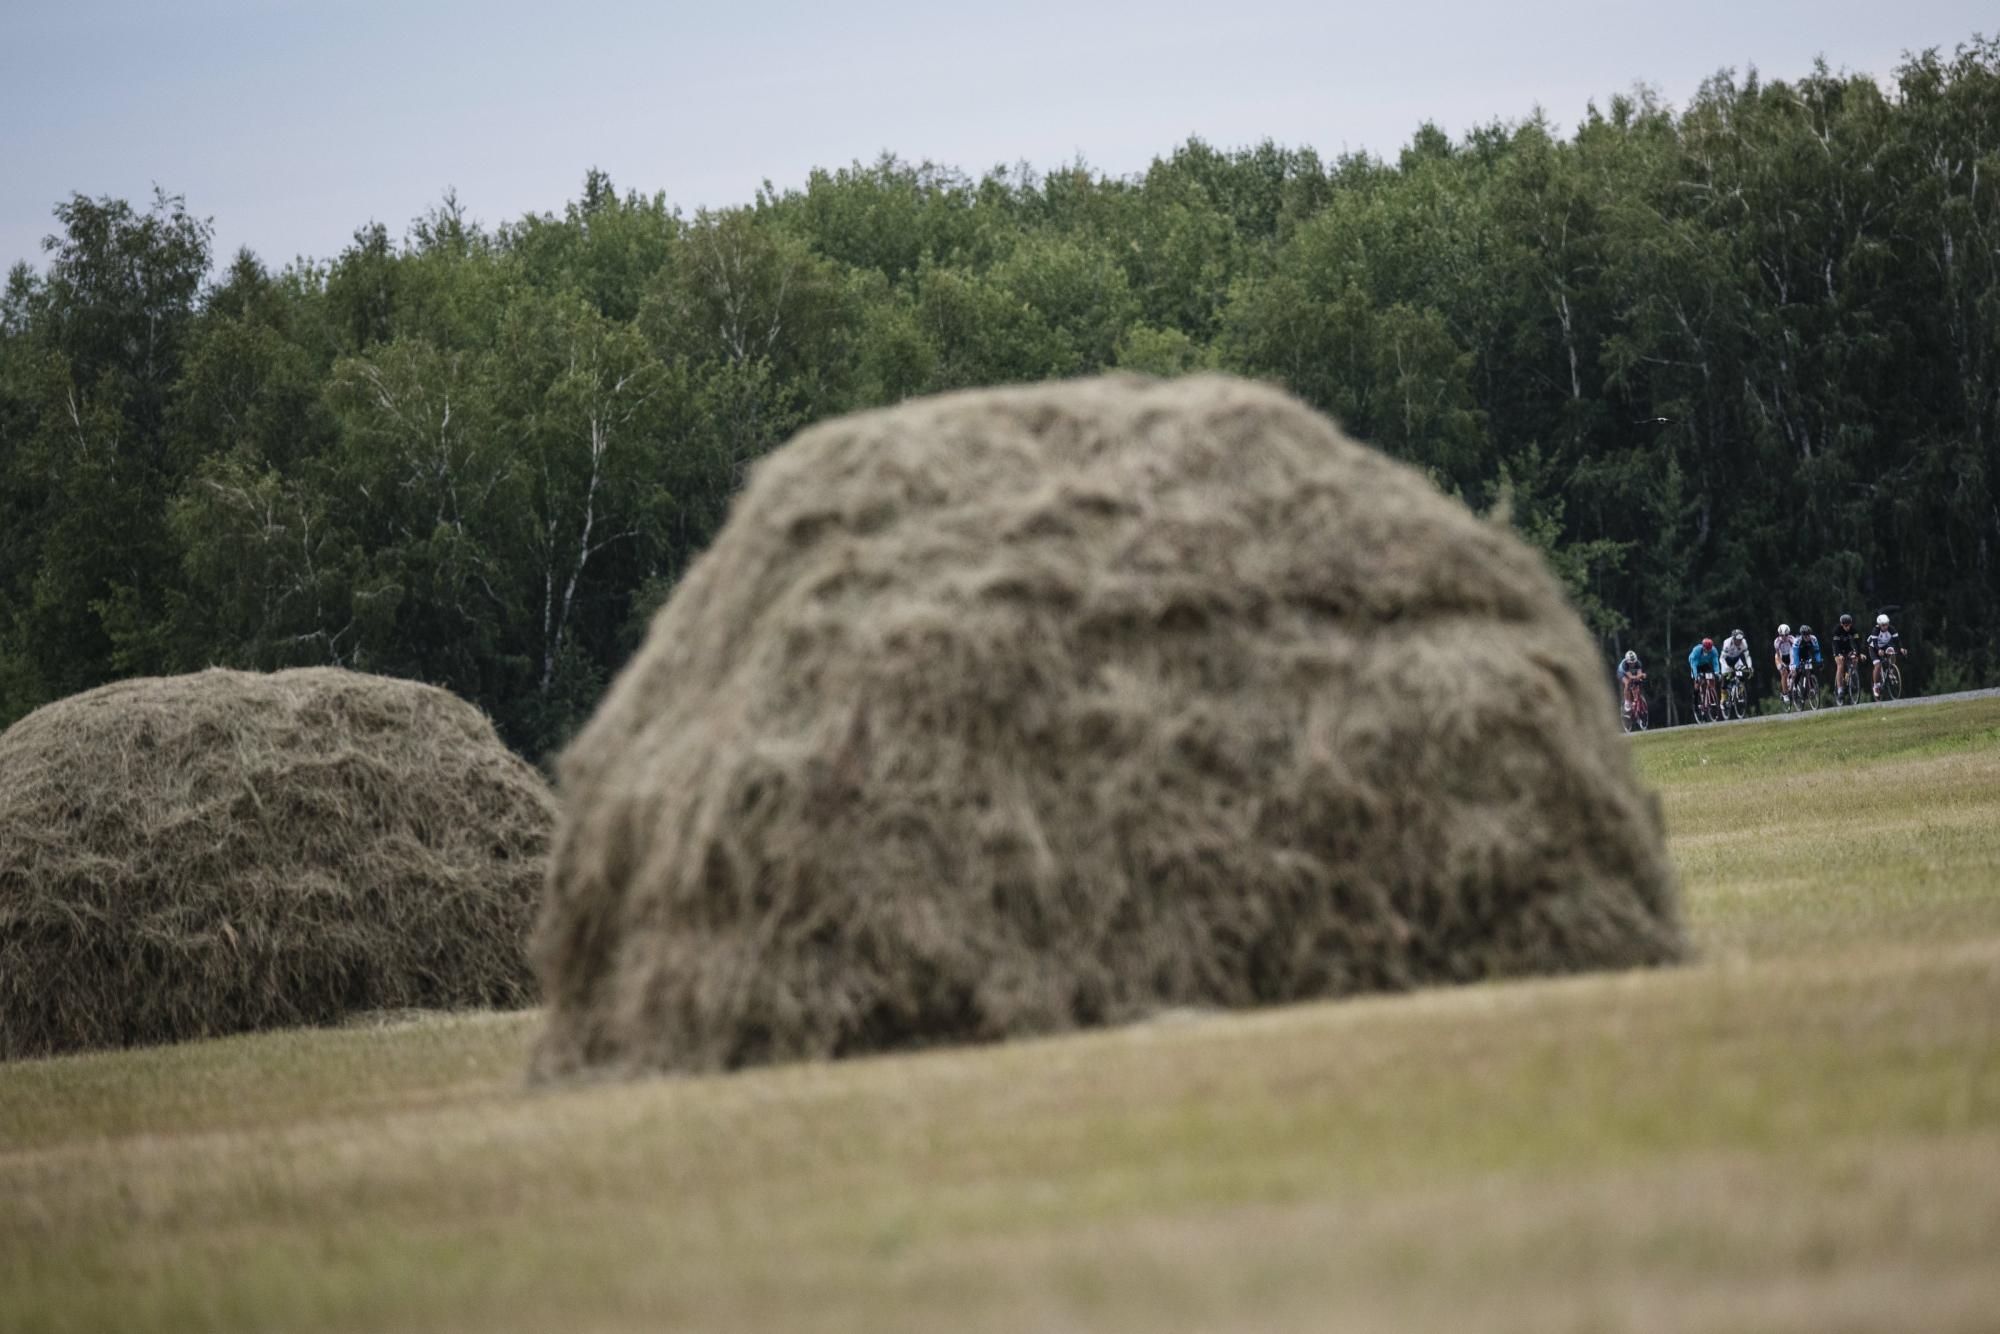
{"points": [[1716, 667]]}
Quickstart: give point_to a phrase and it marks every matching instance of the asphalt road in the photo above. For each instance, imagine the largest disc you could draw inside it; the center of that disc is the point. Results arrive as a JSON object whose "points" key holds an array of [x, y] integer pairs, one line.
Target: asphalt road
{"points": [[1828, 708]]}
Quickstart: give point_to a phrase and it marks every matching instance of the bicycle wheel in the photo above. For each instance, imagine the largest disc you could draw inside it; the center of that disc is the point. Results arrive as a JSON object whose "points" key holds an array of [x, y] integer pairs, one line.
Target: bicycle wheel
{"points": [[1640, 717], [1892, 681], [1809, 692]]}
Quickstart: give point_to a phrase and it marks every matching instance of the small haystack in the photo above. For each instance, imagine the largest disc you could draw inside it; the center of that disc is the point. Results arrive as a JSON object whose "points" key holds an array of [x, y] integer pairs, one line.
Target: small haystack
{"points": [[1005, 712], [198, 855]]}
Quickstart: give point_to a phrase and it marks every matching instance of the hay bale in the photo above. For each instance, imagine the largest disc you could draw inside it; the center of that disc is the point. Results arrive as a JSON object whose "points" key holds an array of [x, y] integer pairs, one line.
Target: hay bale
{"points": [[198, 855], [1004, 712]]}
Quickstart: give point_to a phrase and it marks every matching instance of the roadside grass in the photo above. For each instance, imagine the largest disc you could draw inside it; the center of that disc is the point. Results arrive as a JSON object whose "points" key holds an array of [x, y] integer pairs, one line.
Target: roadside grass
{"points": [[1857, 829], [1799, 1132]]}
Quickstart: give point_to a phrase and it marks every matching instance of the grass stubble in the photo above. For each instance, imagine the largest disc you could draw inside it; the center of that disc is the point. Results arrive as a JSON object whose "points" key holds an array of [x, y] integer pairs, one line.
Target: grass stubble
{"points": [[1799, 1132]]}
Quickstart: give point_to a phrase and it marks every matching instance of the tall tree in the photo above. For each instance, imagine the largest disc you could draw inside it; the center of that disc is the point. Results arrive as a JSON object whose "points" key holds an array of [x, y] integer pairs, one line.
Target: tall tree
{"points": [[96, 347]]}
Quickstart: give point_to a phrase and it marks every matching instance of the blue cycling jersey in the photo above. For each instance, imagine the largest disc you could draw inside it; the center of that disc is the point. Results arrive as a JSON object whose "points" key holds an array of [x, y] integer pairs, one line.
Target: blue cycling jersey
{"points": [[1805, 652], [1704, 660]]}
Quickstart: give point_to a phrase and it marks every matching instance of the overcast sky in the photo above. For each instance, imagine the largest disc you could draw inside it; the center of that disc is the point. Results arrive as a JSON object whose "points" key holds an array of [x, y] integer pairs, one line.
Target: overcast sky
{"points": [[292, 124]]}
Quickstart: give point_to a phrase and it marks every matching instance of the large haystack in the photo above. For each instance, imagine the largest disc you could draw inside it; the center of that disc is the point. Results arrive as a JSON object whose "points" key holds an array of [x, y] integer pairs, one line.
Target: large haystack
{"points": [[198, 855], [1004, 712]]}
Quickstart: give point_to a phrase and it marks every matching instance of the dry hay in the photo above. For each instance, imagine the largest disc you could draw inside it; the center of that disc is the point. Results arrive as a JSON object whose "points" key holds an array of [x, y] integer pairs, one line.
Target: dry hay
{"points": [[198, 855], [1005, 712]]}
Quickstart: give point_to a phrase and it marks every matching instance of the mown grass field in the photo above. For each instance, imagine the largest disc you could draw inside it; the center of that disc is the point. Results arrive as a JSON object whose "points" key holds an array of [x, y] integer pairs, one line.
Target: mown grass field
{"points": [[1800, 1132]]}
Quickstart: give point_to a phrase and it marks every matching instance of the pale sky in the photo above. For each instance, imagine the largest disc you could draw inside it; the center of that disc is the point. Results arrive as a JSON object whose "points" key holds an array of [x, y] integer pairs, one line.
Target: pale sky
{"points": [[293, 124]]}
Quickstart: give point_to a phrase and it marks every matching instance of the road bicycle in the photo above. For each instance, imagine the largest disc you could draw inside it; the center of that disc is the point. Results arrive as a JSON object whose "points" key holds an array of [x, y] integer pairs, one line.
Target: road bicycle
{"points": [[1707, 707], [1736, 696], [1635, 717], [1805, 688], [1849, 686], [1892, 677]]}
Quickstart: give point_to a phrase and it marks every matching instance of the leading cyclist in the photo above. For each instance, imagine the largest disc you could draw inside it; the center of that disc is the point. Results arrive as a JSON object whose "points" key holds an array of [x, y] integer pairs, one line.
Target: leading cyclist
{"points": [[1631, 672]]}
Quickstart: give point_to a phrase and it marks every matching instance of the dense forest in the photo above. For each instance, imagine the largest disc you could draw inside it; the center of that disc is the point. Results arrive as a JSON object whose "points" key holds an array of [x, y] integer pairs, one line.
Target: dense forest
{"points": [[1726, 364]]}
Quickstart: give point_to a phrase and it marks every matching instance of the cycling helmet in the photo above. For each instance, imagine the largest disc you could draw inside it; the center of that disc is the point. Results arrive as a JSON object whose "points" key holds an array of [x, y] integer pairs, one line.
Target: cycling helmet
{"points": [[1784, 629], [1882, 619], [1805, 629], [1736, 634], [1631, 655], [1845, 619], [1708, 643]]}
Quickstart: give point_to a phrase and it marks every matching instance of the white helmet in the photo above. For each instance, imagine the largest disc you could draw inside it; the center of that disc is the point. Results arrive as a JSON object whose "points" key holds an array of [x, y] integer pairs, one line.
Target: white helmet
{"points": [[1882, 618], [1631, 655], [1784, 629]]}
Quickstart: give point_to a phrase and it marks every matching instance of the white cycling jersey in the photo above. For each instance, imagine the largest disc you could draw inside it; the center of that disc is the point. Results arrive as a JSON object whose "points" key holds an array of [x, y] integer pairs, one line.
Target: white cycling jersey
{"points": [[1782, 646]]}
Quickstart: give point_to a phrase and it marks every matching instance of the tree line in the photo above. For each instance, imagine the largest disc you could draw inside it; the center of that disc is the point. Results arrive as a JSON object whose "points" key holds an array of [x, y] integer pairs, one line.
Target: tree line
{"points": [[1728, 364]]}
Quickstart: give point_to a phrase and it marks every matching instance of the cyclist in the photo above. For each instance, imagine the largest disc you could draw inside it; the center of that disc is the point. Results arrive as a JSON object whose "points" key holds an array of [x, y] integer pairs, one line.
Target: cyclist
{"points": [[1736, 658], [1805, 651], [1703, 663], [1781, 657], [1884, 643], [1630, 673], [1846, 655]]}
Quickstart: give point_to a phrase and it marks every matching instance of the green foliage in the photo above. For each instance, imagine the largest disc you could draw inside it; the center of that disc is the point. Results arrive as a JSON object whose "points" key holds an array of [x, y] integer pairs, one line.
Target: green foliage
{"points": [[93, 351], [1150, 351], [1738, 362]]}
